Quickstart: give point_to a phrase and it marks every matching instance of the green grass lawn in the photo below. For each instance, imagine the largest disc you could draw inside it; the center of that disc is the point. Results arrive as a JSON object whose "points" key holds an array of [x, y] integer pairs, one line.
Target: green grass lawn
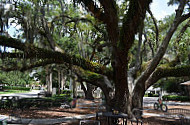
{"points": [[12, 91]]}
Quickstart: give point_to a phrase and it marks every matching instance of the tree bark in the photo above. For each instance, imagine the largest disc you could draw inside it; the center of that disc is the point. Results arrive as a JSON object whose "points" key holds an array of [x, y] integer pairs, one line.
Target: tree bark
{"points": [[74, 88], [63, 78], [89, 94], [59, 81], [87, 90]]}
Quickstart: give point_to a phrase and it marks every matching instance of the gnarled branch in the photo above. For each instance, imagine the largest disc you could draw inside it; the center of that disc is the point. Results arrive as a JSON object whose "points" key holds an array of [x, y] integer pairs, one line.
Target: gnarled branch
{"points": [[163, 72], [57, 57]]}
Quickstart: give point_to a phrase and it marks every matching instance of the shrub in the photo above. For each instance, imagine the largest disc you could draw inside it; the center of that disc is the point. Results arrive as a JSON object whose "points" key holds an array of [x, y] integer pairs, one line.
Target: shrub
{"points": [[176, 98], [68, 92], [150, 94], [155, 95], [44, 102], [69, 99], [16, 88], [146, 95]]}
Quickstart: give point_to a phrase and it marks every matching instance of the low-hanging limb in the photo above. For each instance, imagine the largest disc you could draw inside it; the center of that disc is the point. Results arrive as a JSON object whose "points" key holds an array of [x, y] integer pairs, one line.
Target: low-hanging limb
{"points": [[27, 67], [58, 57], [163, 72], [156, 26], [97, 80]]}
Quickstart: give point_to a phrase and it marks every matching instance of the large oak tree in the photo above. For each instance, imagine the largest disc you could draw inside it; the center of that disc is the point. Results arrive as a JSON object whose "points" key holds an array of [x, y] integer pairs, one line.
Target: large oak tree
{"points": [[122, 87]]}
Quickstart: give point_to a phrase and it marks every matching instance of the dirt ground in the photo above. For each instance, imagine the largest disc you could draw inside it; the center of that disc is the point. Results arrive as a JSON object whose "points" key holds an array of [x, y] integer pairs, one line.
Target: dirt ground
{"points": [[49, 112], [57, 112]]}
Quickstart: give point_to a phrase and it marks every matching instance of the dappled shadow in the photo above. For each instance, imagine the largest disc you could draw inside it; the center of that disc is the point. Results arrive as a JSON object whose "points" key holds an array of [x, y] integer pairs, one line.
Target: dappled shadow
{"points": [[54, 112]]}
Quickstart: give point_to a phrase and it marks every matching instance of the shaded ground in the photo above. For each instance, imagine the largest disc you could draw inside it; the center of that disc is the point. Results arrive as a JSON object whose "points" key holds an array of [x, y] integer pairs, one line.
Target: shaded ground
{"points": [[56, 112], [52, 112], [47, 113]]}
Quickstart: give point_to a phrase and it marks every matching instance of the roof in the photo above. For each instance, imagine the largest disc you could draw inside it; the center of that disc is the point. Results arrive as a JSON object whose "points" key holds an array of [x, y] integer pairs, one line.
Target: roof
{"points": [[186, 83]]}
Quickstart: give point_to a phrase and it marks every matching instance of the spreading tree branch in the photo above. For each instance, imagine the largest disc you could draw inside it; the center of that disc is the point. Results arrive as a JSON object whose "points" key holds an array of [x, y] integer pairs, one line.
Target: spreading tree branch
{"points": [[182, 31], [155, 24], [27, 67], [58, 57], [163, 72]]}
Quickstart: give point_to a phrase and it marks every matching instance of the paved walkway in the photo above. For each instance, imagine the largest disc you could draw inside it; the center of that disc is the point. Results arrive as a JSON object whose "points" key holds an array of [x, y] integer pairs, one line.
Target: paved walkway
{"points": [[50, 121], [58, 120], [31, 94]]}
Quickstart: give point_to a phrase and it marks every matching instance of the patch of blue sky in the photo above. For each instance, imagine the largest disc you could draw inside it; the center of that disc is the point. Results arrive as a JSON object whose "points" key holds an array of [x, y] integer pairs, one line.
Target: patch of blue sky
{"points": [[14, 29], [14, 32], [160, 9]]}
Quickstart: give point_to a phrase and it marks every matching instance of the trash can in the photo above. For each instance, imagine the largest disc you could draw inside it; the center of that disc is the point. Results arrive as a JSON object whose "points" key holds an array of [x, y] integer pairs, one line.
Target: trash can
{"points": [[54, 91]]}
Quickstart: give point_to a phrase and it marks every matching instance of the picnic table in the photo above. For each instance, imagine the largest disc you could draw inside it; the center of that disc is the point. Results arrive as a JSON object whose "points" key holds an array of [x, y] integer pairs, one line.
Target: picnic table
{"points": [[9, 101]]}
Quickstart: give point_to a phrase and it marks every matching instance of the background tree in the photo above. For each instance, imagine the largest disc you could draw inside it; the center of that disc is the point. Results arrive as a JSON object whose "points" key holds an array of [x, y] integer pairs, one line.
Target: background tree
{"points": [[16, 78]]}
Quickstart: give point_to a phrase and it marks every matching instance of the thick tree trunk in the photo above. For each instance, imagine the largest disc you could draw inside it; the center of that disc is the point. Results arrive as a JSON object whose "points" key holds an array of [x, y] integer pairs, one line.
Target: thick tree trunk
{"points": [[59, 81], [137, 98], [83, 88], [121, 82], [74, 88], [89, 94], [87, 90], [188, 90], [63, 78], [49, 80]]}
